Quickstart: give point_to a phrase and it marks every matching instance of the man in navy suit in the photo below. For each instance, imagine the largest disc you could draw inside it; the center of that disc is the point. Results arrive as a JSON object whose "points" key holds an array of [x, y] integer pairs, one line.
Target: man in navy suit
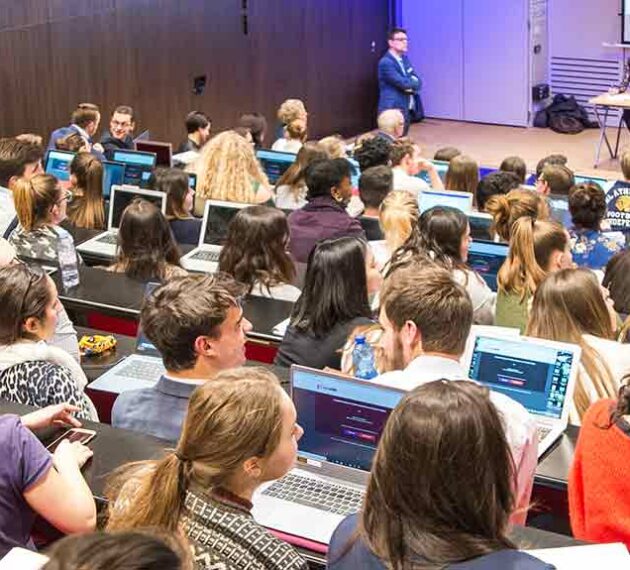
{"points": [[85, 121], [398, 83]]}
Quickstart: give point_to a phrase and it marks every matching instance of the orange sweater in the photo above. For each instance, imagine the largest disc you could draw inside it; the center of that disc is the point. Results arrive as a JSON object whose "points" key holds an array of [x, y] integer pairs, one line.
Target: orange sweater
{"points": [[599, 480]]}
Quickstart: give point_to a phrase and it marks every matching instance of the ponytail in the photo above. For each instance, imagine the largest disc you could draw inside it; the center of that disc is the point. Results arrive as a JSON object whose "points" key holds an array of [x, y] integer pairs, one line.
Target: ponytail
{"points": [[499, 208], [33, 200], [87, 211], [505, 209]]}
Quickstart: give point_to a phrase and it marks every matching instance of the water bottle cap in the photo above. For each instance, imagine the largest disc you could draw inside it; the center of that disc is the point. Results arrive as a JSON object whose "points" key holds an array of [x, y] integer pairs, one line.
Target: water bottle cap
{"points": [[359, 339]]}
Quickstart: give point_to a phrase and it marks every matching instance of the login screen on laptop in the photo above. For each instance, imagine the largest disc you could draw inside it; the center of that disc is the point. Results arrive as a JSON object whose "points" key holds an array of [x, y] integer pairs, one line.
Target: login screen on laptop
{"points": [[535, 375], [342, 418]]}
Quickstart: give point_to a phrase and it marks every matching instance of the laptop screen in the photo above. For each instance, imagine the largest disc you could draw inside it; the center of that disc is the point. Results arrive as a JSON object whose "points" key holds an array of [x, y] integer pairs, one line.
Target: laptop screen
{"points": [[486, 258], [586, 179], [113, 175], [428, 199], [480, 225], [275, 163], [143, 344], [124, 196], [440, 168], [192, 181], [220, 215], [342, 418], [139, 166], [163, 151], [536, 375], [58, 164]]}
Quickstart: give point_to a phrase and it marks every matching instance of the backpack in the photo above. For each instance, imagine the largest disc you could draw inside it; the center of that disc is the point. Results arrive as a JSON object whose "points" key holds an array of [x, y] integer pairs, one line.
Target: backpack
{"points": [[564, 115]]}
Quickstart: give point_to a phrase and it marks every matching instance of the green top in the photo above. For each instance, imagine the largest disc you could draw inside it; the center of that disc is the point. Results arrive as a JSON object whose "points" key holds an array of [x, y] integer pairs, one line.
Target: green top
{"points": [[510, 311]]}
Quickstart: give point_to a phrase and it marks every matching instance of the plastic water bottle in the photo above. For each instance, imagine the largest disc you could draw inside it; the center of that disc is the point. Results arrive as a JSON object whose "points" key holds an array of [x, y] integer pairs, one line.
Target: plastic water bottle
{"points": [[363, 359], [68, 262]]}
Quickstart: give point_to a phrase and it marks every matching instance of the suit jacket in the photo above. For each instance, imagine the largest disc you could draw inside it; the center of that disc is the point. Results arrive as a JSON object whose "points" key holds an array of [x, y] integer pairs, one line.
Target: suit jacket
{"points": [[393, 86], [64, 132]]}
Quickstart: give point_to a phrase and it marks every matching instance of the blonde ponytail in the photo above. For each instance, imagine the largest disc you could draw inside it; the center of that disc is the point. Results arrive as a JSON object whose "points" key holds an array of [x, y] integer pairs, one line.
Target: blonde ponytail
{"points": [[34, 199]]}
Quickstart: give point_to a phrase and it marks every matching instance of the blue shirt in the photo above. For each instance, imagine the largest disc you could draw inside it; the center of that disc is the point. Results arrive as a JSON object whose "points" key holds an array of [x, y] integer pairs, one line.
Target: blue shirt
{"points": [[593, 249], [359, 556], [158, 411]]}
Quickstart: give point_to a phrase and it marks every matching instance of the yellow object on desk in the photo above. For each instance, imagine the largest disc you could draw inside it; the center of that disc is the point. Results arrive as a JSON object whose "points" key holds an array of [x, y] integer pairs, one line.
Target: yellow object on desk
{"points": [[93, 345]]}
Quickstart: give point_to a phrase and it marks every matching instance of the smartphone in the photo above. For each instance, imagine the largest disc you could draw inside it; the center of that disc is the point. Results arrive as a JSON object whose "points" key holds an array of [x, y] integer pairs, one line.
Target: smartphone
{"points": [[74, 434]]}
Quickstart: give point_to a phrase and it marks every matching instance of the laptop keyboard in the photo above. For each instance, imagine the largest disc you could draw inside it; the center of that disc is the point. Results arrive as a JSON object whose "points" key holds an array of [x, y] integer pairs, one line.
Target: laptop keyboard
{"points": [[542, 432], [143, 370], [318, 494], [206, 256], [108, 238]]}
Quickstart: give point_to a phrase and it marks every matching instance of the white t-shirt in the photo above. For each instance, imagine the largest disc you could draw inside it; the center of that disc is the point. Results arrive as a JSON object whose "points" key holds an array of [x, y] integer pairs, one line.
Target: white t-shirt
{"points": [[286, 145], [7, 209], [402, 181]]}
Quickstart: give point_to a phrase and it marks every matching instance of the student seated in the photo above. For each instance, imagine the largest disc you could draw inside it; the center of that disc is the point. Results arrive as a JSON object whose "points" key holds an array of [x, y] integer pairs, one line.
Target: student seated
{"points": [[84, 123], [73, 142], [570, 306], [506, 209], [324, 216], [552, 160], [598, 479], [31, 371], [426, 318], [41, 206], [198, 127], [179, 204], [119, 136], [462, 175], [240, 431], [591, 247], [255, 253], [555, 182], [624, 163], [372, 151], [291, 187], [34, 482], [333, 302], [446, 153], [515, 165], [146, 249], [290, 110], [617, 282], [227, 169], [448, 513], [86, 210], [294, 137], [256, 124], [18, 159], [493, 184], [443, 235], [334, 146], [391, 124], [407, 162], [537, 248], [374, 185]]}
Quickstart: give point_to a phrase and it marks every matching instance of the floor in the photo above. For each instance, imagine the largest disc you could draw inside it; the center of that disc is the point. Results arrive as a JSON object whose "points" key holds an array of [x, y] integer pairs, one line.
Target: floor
{"points": [[489, 144]]}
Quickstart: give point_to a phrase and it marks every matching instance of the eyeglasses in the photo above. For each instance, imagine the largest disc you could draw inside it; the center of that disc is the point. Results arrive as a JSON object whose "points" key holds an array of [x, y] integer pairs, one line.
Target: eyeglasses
{"points": [[400, 39], [119, 124], [68, 196]]}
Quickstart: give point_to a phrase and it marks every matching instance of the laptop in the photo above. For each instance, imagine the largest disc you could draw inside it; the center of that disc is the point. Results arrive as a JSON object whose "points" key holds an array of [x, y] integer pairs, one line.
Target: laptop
{"points": [[58, 163], [343, 419], [440, 167], [217, 216], [139, 166], [104, 244], [480, 225], [428, 199], [538, 373], [143, 136], [163, 151], [486, 258], [113, 175], [139, 370], [274, 163]]}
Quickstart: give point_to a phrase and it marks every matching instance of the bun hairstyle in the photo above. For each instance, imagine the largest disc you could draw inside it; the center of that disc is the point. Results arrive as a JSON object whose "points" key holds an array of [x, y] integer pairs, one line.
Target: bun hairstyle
{"points": [[587, 204], [296, 129], [506, 209]]}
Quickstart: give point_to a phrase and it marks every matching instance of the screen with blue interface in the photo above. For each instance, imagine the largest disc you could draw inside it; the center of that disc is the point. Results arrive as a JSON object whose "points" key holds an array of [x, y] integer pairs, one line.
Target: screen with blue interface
{"points": [[139, 166], [480, 225], [486, 258], [275, 163], [428, 199], [342, 418], [533, 374], [113, 175], [122, 199], [143, 344], [440, 167], [58, 164]]}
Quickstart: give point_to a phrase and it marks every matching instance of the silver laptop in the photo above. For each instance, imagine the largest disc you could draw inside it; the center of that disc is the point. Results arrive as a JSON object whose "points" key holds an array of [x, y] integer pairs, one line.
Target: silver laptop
{"points": [[105, 243], [343, 419], [428, 199], [140, 370], [486, 258], [217, 216], [538, 373]]}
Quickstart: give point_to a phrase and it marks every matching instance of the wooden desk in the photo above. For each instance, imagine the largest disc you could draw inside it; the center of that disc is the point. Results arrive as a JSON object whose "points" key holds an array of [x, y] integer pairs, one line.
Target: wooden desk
{"points": [[602, 104]]}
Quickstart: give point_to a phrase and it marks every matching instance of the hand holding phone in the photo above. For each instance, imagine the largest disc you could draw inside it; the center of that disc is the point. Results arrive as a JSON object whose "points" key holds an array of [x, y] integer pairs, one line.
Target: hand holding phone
{"points": [[70, 447]]}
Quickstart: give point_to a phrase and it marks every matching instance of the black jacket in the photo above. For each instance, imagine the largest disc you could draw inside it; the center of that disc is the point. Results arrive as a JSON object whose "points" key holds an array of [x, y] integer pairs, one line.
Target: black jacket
{"points": [[110, 144]]}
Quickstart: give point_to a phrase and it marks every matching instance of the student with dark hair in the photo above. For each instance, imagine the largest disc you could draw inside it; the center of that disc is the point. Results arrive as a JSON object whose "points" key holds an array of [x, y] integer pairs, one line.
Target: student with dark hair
{"points": [[291, 186], [372, 151], [146, 249], [121, 127], [18, 159], [617, 282], [333, 302], [552, 159], [150, 549], [374, 185], [73, 142], [240, 431], [179, 204], [198, 126], [257, 126], [324, 216], [448, 515], [498, 182], [426, 319], [86, 210], [84, 122], [446, 153], [255, 253], [515, 165], [555, 180], [407, 162], [197, 324], [591, 247]]}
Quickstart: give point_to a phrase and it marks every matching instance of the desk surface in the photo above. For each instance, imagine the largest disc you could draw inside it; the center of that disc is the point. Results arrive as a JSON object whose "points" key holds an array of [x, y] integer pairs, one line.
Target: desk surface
{"points": [[553, 470], [621, 100], [117, 295], [95, 366]]}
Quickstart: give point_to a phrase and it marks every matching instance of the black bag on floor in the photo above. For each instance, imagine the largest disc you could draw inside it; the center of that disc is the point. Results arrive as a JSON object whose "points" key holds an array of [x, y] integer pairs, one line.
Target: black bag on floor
{"points": [[564, 115]]}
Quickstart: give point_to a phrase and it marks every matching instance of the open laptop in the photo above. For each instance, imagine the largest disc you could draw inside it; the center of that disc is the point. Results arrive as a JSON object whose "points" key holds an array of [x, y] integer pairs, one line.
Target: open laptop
{"points": [[480, 225], [104, 244], [440, 167], [538, 373], [139, 166], [343, 419], [113, 175], [486, 258], [217, 216], [58, 163], [428, 199], [275, 163], [163, 151]]}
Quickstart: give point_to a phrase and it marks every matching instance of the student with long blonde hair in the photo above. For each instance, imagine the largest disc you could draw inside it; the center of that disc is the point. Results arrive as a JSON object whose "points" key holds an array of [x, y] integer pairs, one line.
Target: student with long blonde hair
{"points": [[228, 170], [505, 209], [537, 247], [398, 216], [240, 431], [86, 180], [570, 306]]}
